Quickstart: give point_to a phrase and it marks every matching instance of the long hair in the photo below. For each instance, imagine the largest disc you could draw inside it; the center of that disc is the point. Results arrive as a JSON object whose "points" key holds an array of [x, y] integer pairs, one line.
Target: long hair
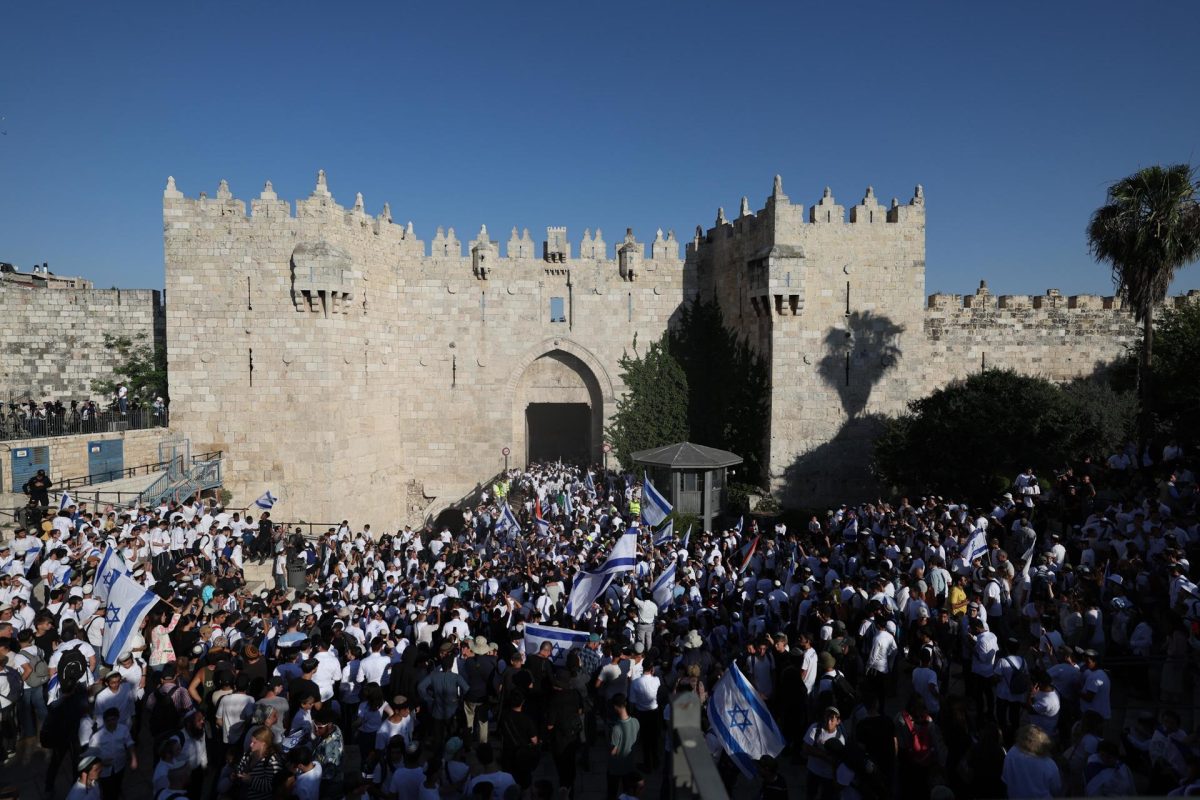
{"points": [[265, 736]]}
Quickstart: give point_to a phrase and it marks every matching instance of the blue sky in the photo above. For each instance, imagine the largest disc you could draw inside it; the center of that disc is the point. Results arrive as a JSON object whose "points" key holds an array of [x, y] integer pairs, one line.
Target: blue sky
{"points": [[1015, 117]]}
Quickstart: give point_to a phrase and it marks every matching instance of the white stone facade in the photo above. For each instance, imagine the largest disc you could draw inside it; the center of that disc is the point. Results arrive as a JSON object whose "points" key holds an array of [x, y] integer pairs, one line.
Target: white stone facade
{"points": [[352, 368]]}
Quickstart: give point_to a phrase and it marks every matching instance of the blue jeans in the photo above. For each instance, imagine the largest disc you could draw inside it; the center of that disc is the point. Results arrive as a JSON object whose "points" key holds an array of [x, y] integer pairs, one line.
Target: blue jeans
{"points": [[30, 708]]}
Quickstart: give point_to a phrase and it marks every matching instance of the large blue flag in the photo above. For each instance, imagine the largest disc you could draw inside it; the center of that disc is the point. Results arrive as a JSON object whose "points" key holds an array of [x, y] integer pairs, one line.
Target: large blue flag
{"points": [[128, 604], [591, 584], [112, 566], [655, 507], [742, 722], [664, 587], [563, 641]]}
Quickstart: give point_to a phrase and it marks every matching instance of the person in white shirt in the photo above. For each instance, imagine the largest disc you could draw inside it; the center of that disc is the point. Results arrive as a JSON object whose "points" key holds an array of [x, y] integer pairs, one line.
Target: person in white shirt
{"points": [[1044, 703], [925, 682], [307, 771], [1029, 767], [234, 710], [1095, 695], [114, 745], [643, 697], [880, 657], [329, 669], [117, 695], [985, 648]]}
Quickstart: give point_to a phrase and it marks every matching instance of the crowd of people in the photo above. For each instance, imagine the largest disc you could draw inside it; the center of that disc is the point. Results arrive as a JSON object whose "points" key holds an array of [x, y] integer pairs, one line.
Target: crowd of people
{"points": [[1040, 645], [29, 418]]}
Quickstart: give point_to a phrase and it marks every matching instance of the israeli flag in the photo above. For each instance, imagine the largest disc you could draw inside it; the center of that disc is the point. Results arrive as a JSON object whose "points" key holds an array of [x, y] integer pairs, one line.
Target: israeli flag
{"points": [[128, 604], [664, 588], [976, 546], [591, 584], [655, 507], [568, 506], [665, 534], [738, 529], [591, 485], [741, 722], [65, 501], [112, 566], [683, 544], [266, 501], [507, 524], [562, 639]]}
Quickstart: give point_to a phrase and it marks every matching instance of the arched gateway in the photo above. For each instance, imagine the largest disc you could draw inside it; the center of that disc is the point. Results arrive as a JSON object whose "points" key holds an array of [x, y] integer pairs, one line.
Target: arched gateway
{"points": [[561, 394]]}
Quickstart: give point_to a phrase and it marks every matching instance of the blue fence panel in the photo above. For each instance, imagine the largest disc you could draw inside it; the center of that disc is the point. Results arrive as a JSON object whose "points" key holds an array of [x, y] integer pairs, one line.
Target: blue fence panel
{"points": [[106, 460], [26, 461]]}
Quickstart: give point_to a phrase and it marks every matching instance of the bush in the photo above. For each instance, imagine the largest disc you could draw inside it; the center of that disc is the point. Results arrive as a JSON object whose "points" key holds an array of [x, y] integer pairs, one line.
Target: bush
{"points": [[972, 437]]}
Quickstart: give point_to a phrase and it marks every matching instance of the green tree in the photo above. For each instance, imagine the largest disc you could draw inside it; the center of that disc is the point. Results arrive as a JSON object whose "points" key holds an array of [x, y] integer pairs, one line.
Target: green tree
{"points": [[972, 437], [142, 367], [1175, 384], [653, 411], [1148, 229]]}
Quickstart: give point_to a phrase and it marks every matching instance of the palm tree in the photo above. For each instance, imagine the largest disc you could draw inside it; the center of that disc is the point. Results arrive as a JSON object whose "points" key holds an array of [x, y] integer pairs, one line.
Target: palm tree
{"points": [[1149, 228]]}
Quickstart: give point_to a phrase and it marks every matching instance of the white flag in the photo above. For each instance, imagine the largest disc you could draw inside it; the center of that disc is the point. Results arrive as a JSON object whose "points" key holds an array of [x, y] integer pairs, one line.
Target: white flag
{"points": [[563, 641], [128, 604], [741, 721], [589, 585], [664, 587], [111, 567]]}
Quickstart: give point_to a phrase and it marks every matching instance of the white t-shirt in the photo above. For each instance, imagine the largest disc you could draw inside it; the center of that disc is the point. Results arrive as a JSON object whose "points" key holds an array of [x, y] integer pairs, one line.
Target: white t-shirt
{"points": [[1096, 680], [817, 736], [922, 677]]}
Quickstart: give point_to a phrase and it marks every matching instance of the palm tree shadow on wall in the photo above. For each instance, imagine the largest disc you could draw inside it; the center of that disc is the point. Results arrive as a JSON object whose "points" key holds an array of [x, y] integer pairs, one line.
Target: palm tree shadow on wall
{"points": [[857, 356]]}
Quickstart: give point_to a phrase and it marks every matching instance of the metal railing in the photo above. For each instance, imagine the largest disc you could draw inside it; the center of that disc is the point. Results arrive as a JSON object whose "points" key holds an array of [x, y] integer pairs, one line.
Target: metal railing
{"points": [[16, 425]]}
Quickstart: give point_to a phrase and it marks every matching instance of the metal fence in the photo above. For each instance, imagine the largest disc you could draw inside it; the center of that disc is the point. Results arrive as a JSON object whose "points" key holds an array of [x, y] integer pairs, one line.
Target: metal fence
{"points": [[14, 424]]}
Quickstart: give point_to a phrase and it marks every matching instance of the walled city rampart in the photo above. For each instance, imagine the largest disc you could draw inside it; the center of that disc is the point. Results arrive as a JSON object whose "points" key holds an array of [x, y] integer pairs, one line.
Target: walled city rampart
{"points": [[52, 340], [344, 363]]}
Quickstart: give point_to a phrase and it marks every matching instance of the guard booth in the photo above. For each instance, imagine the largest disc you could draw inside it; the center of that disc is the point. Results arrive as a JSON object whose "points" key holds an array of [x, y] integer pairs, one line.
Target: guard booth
{"points": [[692, 476]]}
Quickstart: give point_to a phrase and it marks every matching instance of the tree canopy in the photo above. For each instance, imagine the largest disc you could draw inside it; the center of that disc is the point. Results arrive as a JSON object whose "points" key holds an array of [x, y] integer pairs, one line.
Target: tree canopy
{"points": [[142, 367], [975, 435], [698, 383]]}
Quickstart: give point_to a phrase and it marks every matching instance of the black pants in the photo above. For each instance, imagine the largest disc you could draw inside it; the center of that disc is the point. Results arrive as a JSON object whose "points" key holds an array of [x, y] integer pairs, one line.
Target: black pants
{"points": [[564, 765], [650, 737], [69, 753], [110, 787]]}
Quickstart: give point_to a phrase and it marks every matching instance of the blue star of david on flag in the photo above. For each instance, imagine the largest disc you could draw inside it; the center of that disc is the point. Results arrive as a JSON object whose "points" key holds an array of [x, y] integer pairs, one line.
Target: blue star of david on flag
{"points": [[739, 718], [110, 578], [741, 722], [113, 616]]}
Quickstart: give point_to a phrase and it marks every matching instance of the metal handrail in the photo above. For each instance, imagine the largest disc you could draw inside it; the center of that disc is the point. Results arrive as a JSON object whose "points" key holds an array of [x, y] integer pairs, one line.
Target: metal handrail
{"points": [[67, 484], [15, 426]]}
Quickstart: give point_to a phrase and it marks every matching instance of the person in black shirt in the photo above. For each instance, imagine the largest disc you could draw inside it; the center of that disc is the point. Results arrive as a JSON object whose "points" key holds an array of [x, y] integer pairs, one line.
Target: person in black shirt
{"points": [[303, 686], [38, 488], [876, 734]]}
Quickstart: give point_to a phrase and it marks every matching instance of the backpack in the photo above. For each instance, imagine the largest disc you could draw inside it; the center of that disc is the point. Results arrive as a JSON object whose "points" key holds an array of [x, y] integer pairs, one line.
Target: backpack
{"points": [[72, 666], [165, 716], [1018, 679], [14, 686], [41, 672], [938, 658], [922, 746]]}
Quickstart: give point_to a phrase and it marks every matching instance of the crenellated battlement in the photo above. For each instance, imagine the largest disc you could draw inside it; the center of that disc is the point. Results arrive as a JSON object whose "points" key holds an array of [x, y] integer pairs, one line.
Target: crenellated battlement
{"points": [[1053, 299], [321, 208], [778, 212]]}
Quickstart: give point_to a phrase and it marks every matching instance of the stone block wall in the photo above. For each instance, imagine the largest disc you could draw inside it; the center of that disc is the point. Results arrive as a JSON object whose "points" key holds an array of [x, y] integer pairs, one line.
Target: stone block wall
{"points": [[69, 456], [337, 358], [52, 340]]}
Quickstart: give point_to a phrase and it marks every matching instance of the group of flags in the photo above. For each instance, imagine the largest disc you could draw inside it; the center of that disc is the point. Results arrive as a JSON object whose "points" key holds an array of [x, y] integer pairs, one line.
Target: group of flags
{"points": [[126, 604]]}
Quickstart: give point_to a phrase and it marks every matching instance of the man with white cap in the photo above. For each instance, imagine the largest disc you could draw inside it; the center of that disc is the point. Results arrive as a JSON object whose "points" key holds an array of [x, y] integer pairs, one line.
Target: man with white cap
{"points": [[87, 778]]}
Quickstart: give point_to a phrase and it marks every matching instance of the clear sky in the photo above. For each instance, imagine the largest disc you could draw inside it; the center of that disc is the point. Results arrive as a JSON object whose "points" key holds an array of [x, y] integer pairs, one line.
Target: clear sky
{"points": [[1015, 116]]}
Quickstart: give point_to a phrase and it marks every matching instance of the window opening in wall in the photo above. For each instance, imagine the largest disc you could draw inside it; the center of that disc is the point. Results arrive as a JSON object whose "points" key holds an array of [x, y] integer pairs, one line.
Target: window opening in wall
{"points": [[847, 369], [249, 307], [847, 298], [631, 306], [558, 311], [251, 366], [483, 306]]}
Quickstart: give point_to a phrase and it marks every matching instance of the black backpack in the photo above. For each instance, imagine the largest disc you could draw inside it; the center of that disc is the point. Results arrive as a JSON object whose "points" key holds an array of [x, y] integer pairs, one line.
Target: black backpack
{"points": [[165, 717], [72, 667]]}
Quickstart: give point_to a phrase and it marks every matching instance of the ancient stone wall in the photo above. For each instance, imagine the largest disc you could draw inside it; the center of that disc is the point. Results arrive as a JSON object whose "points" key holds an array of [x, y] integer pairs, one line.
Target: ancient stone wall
{"points": [[334, 356], [52, 340], [354, 369]]}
